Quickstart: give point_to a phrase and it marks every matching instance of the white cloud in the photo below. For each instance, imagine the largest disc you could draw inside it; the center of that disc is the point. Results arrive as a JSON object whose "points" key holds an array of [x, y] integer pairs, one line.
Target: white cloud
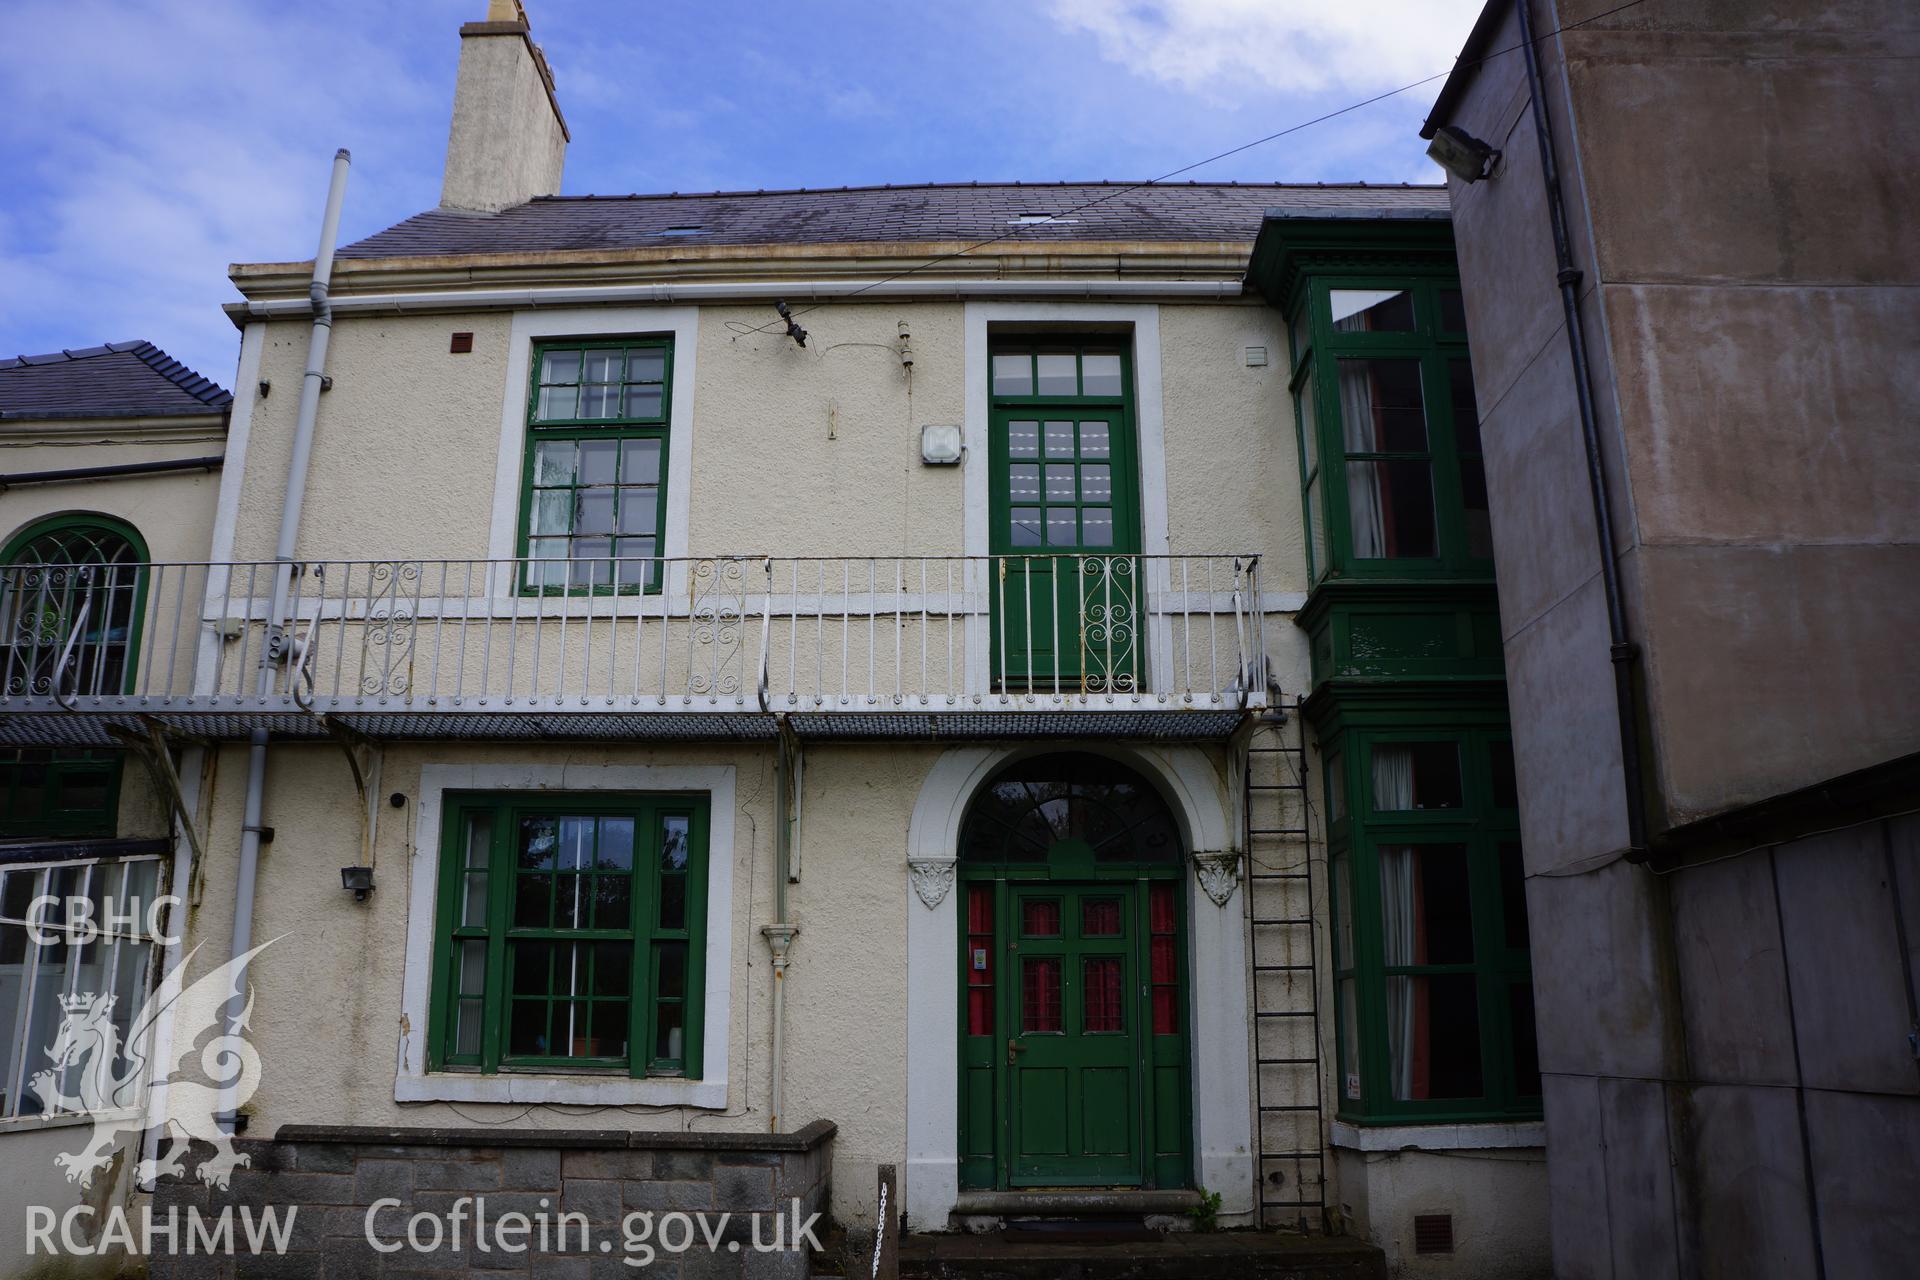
{"points": [[1216, 48], [149, 145]]}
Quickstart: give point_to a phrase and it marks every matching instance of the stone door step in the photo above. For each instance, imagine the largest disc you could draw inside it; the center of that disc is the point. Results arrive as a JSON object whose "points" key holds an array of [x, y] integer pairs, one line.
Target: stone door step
{"points": [[1073, 1204], [1268, 1255]]}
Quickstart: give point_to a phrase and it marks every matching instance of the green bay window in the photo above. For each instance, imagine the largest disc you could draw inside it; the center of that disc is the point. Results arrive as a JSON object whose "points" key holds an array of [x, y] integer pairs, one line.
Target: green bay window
{"points": [[593, 505], [1433, 988], [570, 934], [1389, 432]]}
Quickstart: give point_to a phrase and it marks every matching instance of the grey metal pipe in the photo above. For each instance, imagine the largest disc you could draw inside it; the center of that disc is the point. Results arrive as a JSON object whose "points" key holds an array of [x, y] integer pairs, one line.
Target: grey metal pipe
{"points": [[302, 453], [211, 462], [1621, 649], [779, 935]]}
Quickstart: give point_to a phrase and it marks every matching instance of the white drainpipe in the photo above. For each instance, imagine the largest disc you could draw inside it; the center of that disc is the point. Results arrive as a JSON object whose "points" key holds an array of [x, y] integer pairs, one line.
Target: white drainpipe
{"points": [[273, 652]]}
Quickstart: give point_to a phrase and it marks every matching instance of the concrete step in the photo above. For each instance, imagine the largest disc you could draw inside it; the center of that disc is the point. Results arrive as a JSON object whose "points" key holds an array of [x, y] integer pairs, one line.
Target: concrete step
{"points": [[1188, 1255]]}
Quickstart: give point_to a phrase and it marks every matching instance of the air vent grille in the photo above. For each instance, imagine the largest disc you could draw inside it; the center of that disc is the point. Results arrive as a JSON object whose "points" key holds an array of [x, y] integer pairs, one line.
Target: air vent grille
{"points": [[1433, 1233]]}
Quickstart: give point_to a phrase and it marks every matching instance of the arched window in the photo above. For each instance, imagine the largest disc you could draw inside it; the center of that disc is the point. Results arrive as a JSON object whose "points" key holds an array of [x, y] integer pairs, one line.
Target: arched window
{"points": [[72, 592], [1044, 801], [70, 595]]}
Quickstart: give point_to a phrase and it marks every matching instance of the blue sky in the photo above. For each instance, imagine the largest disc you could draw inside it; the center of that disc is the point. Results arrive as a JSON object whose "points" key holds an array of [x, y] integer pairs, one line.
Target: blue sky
{"points": [[147, 145]]}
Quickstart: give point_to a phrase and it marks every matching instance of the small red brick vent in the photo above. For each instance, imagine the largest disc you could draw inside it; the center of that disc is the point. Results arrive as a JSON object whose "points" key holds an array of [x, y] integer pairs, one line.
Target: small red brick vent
{"points": [[1433, 1233], [462, 343]]}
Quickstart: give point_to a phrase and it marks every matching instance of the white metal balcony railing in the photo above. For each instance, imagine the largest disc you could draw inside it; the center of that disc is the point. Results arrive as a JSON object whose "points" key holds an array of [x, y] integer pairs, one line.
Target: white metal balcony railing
{"points": [[717, 634]]}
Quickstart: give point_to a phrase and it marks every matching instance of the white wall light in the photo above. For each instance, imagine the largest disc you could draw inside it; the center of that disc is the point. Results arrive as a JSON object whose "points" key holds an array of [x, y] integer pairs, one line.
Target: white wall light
{"points": [[940, 445]]}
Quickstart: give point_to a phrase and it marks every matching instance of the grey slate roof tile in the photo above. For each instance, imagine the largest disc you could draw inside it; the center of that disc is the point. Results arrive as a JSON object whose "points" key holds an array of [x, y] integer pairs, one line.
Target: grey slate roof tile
{"points": [[850, 215], [117, 380]]}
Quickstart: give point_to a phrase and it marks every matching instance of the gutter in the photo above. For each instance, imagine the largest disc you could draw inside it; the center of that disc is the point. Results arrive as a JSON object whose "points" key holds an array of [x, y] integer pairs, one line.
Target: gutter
{"points": [[796, 291], [213, 462]]}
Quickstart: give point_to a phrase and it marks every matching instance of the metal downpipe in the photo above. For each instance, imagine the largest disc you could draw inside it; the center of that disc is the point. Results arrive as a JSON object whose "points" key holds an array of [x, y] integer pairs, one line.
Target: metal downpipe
{"points": [[1622, 651], [295, 494], [779, 934]]}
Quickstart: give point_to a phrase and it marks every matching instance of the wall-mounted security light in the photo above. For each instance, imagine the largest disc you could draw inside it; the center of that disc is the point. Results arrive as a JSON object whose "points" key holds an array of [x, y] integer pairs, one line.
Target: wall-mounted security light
{"points": [[358, 881], [1461, 154], [940, 446]]}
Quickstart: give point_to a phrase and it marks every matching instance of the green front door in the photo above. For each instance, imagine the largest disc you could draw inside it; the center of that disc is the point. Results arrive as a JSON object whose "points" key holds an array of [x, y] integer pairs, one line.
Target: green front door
{"points": [[1073, 1011], [1066, 528], [1074, 1055]]}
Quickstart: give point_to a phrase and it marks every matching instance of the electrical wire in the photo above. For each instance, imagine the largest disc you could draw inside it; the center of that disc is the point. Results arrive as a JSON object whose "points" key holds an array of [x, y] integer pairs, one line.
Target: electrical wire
{"points": [[1197, 164]]}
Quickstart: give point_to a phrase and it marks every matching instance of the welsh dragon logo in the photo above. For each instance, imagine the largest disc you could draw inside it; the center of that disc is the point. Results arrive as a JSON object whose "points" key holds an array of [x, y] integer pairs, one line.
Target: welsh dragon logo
{"points": [[88, 1048]]}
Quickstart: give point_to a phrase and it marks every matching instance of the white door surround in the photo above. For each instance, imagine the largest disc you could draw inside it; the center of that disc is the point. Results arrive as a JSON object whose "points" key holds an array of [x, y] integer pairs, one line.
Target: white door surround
{"points": [[1221, 1067]]}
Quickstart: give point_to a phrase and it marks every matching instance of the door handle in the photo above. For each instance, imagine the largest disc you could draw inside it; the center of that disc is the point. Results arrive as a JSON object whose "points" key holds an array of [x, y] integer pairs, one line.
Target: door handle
{"points": [[1013, 1047]]}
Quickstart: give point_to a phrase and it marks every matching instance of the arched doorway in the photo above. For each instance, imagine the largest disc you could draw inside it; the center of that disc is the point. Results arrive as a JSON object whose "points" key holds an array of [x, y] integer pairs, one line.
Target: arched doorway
{"points": [[1073, 977]]}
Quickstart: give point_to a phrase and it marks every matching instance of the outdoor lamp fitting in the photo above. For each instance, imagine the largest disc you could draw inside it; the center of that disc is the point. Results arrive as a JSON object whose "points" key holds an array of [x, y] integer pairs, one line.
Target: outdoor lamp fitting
{"points": [[357, 879], [1461, 154]]}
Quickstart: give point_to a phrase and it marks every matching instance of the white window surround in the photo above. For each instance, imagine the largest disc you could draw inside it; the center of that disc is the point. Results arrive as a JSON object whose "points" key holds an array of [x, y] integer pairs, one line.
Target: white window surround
{"points": [[680, 323], [1221, 1066], [1142, 320], [414, 1083]]}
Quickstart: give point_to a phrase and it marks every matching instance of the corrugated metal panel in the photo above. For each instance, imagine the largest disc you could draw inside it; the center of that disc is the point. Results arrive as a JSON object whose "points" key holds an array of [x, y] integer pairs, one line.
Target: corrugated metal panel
{"points": [[89, 729]]}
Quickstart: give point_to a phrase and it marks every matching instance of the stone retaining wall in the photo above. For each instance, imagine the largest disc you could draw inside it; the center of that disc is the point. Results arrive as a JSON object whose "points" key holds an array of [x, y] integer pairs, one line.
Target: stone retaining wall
{"points": [[630, 1194]]}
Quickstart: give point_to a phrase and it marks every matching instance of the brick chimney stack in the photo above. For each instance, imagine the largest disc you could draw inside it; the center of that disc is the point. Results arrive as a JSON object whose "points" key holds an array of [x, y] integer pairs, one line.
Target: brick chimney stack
{"points": [[508, 141]]}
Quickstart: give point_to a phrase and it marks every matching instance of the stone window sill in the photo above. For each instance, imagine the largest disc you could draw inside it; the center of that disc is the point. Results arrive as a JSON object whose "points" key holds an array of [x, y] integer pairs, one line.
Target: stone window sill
{"points": [[568, 1090], [1439, 1137], [67, 1120]]}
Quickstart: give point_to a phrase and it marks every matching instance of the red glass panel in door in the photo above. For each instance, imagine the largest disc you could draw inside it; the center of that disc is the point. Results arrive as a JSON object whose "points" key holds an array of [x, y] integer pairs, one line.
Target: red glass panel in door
{"points": [[1165, 969], [1040, 996], [1103, 995]]}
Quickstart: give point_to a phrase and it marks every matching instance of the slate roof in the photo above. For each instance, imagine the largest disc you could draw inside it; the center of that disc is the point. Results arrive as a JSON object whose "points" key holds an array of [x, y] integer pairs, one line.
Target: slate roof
{"points": [[118, 380], [852, 215]]}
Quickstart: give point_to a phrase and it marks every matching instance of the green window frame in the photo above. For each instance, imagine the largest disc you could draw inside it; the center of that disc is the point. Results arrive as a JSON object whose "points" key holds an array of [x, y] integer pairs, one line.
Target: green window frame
{"points": [[1392, 479], [1433, 997], [68, 792], [1051, 472], [593, 497], [570, 934]]}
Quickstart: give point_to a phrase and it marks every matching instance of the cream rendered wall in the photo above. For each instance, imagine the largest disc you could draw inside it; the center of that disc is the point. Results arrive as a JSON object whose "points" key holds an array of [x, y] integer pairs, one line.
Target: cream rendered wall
{"points": [[810, 451], [798, 452], [327, 1014], [404, 446], [1232, 463], [1497, 1199], [326, 1019], [816, 451]]}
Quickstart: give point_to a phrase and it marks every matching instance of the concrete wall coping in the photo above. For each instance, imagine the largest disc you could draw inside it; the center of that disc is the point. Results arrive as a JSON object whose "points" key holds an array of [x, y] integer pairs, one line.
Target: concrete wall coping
{"points": [[1439, 1137], [805, 1138]]}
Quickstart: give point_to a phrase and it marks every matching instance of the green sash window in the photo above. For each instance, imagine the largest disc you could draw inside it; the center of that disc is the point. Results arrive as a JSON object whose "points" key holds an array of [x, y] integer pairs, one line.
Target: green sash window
{"points": [[570, 934], [593, 506], [1432, 980], [1391, 471]]}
